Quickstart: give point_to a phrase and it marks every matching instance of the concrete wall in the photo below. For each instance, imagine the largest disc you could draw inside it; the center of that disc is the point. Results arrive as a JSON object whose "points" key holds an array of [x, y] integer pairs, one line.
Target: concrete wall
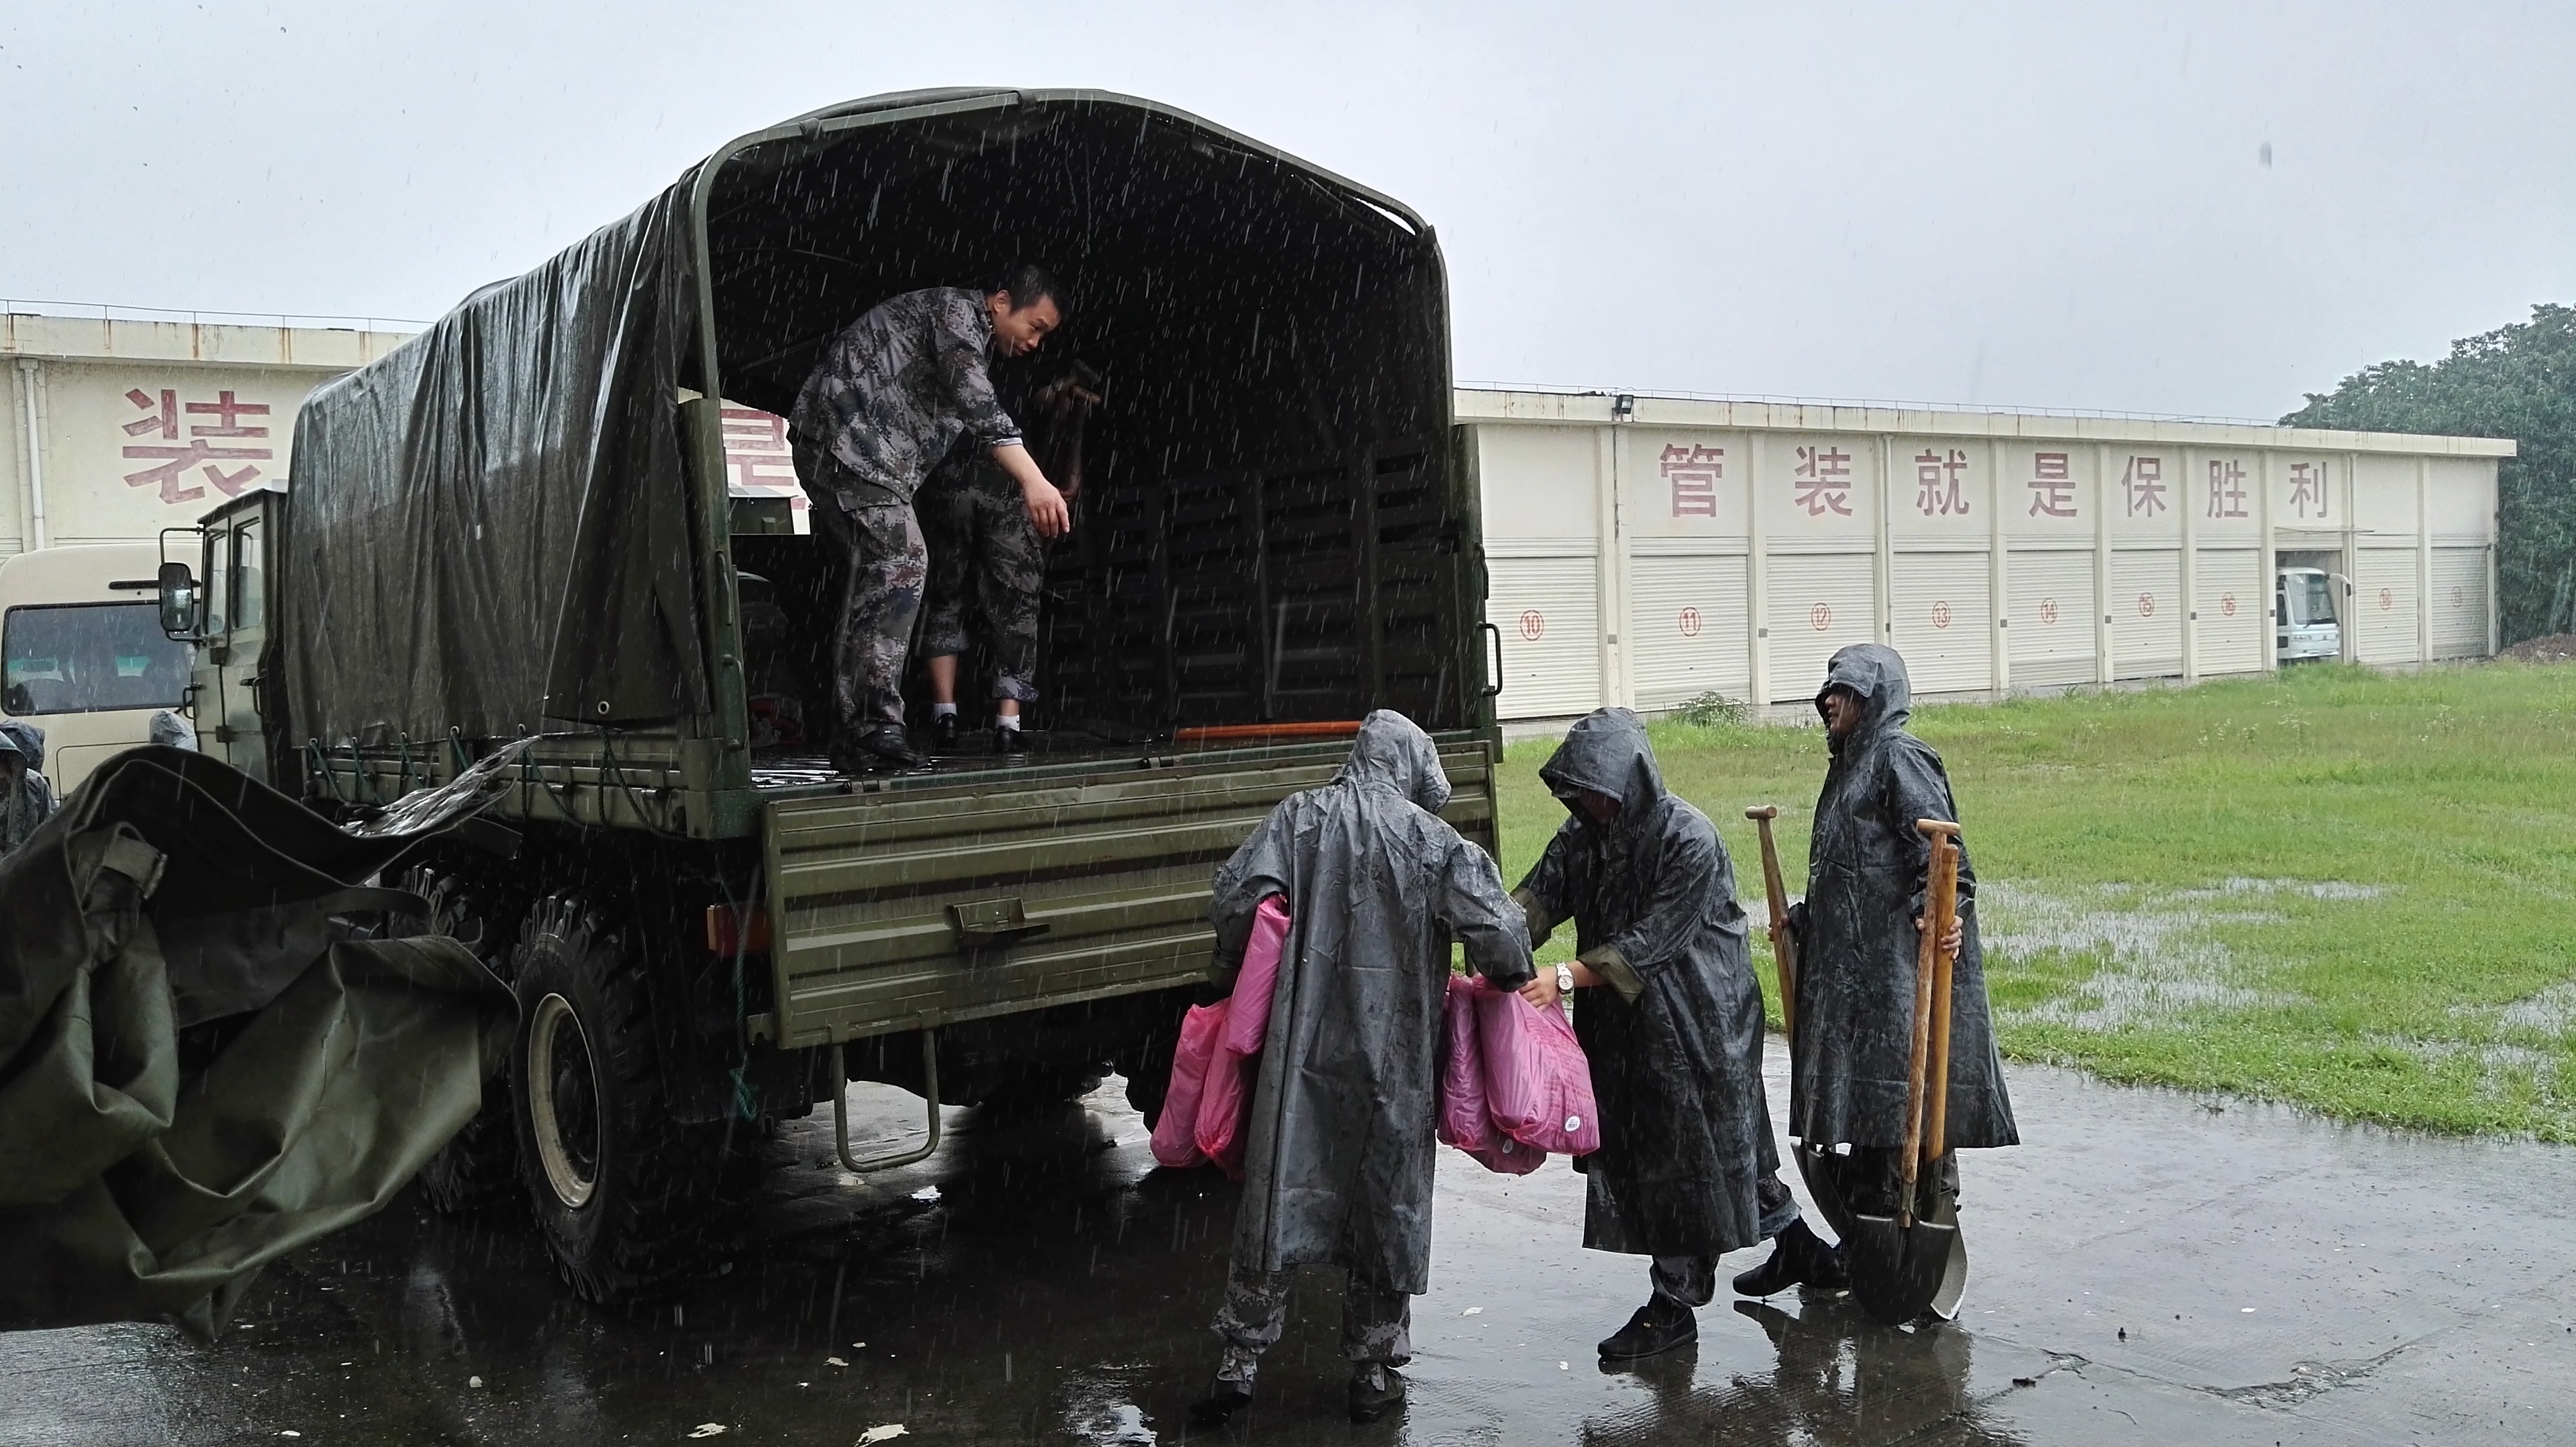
{"points": [[1648, 549], [142, 425]]}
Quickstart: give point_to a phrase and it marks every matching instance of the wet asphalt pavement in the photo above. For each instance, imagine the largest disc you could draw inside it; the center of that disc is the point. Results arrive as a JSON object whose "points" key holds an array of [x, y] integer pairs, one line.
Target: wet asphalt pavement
{"points": [[2278, 1279]]}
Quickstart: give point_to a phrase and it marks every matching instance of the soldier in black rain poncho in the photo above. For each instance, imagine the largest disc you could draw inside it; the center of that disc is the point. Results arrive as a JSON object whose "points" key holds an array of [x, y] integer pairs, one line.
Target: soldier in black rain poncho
{"points": [[1671, 1020], [1338, 1168], [1868, 875]]}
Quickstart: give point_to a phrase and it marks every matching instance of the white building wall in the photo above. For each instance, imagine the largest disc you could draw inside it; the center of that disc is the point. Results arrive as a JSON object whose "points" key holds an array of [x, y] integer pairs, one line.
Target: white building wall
{"points": [[1740, 544]]}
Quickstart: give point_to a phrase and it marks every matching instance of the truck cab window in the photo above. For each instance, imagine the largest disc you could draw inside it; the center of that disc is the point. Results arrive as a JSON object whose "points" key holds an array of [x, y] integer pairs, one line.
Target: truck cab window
{"points": [[90, 657], [218, 589], [249, 596]]}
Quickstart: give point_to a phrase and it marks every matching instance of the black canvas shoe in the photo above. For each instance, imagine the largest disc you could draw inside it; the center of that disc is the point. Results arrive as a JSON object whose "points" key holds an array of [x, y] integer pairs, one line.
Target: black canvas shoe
{"points": [[1375, 1391], [1658, 1327], [1798, 1258], [943, 732], [1009, 741]]}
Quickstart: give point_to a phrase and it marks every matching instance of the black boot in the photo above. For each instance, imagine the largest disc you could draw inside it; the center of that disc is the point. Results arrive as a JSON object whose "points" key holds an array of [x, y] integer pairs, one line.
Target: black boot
{"points": [[1659, 1326], [1798, 1258], [1222, 1401], [886, 746], [1375, 1391]]}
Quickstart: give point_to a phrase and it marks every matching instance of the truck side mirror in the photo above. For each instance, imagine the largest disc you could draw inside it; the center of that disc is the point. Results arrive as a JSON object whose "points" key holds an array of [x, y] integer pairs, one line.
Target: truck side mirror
{"points": [[179, 601]]}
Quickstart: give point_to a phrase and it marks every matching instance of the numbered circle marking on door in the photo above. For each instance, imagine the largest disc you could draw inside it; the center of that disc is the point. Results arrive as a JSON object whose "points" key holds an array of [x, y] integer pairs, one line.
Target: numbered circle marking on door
{"points": [[1688, 622], [1533, 624], [2146, 605], [2047, 611], [1941, 615], [1820, 617]]}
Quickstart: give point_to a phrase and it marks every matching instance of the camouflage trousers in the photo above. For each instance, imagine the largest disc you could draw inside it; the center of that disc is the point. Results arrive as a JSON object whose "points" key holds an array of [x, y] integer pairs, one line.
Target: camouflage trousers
{"points": [[888, 564], [1377, 1322], [985, 555]]}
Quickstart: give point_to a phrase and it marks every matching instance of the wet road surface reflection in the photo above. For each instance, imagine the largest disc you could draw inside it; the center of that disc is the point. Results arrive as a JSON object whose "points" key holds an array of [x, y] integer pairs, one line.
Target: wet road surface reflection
{"points": [[1038, 1281]]}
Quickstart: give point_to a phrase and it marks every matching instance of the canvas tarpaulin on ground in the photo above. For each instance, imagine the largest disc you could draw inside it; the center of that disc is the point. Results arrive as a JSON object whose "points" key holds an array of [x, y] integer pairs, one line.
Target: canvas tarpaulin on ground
{"points": [[489, 527], [204, 1061]]}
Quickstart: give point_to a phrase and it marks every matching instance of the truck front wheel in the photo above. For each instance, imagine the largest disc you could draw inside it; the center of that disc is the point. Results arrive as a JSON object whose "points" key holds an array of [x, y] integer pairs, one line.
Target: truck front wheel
{"points": [[627, 1199]]}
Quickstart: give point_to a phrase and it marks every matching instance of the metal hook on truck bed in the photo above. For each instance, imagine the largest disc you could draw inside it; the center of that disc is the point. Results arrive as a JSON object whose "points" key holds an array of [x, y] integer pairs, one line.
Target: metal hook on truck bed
{"points": [[929, 1091]]}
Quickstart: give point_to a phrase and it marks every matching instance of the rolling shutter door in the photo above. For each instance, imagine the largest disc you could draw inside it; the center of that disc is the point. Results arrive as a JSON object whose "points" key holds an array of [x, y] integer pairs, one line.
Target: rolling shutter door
{"points": [[1550, 612], [1819, 602], [1940, 604], [2146, 613], [2460, 602], [2384, 602], [2234, 606], [2051, 632], [1692, 637]]}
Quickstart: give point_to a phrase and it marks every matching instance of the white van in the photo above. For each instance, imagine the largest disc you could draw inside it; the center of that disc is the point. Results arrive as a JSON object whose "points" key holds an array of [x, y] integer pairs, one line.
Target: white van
{"points": [[87, 661]]}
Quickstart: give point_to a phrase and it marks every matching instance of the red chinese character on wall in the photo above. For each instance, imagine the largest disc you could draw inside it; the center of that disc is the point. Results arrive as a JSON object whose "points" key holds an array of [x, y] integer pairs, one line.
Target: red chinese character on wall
{"points": [[162, 419], [757, 457], [2052, 486], [1693, 473], [2308, 487], [2144, 484], [1936, 478], [2226, 490], [1823, 480]]}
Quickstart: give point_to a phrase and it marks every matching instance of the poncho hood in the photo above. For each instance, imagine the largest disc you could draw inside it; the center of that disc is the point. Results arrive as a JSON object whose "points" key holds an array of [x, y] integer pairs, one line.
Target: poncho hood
{"points": [[1606, 753], [1875, 673], [24, 738], [1392, 752]]}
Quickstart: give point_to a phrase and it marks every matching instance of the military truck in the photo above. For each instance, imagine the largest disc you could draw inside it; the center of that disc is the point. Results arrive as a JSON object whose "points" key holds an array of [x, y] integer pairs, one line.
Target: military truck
{"points": [[516, 532]]}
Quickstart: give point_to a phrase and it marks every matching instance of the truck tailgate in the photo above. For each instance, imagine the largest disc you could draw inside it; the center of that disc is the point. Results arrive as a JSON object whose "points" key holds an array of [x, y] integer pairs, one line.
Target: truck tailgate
{"points": [[988, 894]]}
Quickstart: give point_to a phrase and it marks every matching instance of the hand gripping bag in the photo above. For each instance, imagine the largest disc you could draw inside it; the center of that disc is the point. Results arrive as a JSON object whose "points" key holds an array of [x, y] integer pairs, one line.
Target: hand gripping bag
{"points": [[1226, 1099], [1176, 1129], [1465, 1120], [1537, 1083]]}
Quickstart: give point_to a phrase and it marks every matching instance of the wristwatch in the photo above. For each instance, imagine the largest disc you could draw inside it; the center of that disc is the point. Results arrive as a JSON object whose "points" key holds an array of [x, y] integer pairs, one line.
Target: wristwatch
{"points": [[1565, 979]]}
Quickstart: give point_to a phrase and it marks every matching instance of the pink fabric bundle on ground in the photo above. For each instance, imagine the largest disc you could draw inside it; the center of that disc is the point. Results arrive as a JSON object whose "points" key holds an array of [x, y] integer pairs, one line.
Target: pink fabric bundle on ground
{"points": [[1176, 1129], [1538, 1086], [1465, 1121]]}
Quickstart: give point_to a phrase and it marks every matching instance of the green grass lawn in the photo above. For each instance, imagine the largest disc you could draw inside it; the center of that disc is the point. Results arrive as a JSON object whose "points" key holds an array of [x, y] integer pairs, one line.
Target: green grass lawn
{"points": [[2352, 890]]}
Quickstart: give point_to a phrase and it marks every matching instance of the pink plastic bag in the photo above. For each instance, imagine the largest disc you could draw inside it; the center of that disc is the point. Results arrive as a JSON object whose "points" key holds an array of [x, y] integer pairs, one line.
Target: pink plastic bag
{"points": [[1176, 1129], [1247, 1022], [1537, 1083], [1226, 1099], [1464, 1119]]}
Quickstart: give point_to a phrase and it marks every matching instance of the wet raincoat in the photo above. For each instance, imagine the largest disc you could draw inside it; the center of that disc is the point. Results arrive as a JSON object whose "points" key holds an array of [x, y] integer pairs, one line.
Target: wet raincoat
{"points": [[1675, 1040], [26, 795], [1339, 1167], [1867, 876]]}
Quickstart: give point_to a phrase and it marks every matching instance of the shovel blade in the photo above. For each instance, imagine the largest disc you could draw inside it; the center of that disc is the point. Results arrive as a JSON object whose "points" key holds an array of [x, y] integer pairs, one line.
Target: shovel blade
{"points": [[1900, 1272]]}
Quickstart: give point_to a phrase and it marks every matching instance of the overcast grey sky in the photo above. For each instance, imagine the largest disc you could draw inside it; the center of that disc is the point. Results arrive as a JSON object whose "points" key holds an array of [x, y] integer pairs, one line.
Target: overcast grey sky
{"points": [[2043, 205]]}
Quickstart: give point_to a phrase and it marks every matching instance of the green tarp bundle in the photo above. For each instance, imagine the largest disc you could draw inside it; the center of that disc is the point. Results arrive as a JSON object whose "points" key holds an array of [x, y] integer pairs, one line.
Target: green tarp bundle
{"points": [[206, 1061]]}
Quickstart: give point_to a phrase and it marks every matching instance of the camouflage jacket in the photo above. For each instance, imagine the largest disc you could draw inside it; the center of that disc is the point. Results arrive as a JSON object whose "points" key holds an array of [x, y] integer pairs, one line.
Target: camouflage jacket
{"points": [[897, 389]]}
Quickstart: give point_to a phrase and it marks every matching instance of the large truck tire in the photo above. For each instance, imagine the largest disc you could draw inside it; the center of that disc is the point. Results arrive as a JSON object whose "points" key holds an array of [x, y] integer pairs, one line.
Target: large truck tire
{"points": [[478, 1170], [628, 1200]]}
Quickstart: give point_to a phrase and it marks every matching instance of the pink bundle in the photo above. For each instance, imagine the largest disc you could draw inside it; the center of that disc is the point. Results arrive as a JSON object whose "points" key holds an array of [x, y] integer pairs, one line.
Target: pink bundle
{"points": [[1514, 1084], [1204, 1111], [1466, 1121]]}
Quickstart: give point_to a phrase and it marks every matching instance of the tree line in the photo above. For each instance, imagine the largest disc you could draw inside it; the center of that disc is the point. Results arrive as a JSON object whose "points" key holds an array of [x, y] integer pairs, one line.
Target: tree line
{"points": [[2517, 381]]}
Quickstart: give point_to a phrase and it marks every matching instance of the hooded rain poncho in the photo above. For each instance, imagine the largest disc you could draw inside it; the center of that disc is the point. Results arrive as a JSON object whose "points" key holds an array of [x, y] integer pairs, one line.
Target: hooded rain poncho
{"points": [[1867, 880], [1340, 1162], [1676, 1040]]}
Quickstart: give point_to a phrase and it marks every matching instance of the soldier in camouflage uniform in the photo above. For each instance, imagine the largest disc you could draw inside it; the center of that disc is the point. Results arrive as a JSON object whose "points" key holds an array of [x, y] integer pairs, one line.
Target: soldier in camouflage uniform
{"points": [[986, 556], [890, 396]]}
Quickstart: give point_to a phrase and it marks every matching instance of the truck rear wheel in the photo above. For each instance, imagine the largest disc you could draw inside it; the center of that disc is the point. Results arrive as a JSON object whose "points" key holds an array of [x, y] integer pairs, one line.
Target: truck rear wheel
{"points": [[478, 1170], [627, 1200]]}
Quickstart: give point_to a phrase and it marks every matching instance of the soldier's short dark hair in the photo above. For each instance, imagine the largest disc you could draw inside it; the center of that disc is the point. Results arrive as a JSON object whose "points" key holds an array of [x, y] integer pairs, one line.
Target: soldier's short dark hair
{"points": [[1029, 283]]}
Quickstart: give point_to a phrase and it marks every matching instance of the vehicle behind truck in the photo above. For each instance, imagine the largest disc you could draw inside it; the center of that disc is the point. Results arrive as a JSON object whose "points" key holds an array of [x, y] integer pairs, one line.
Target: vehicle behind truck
{"points": [[86, 660], [2305, 621], [516, 533]]}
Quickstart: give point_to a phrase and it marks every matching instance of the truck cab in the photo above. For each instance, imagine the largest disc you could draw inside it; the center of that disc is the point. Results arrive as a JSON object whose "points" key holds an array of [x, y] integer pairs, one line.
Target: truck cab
{"points": [[86, 660], [229, 583], [2304, 617]]}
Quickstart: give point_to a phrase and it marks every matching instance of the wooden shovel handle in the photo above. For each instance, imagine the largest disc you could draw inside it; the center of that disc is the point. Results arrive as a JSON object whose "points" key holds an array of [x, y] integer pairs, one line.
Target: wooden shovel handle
{"points": [[1941, 912], [1784, 951]]}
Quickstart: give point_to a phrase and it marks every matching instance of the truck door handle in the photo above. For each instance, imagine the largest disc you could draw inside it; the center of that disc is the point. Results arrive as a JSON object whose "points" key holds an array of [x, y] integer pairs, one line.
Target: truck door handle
{"points": [[986, 924], [1493, 655]]}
